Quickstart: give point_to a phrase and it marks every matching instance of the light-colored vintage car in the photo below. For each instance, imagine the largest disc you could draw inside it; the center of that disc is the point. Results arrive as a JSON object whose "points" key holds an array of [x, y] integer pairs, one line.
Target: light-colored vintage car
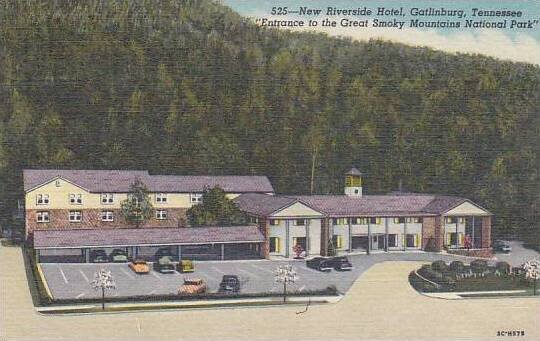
{"points": [[192, 286], [139, 266]]}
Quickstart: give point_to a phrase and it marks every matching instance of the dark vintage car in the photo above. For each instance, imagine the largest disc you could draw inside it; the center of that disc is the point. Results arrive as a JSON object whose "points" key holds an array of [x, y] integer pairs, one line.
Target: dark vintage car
{"points": [[501, 246], [98, 256], [229, 284], [319, 263], [118, 256], [341, 263], [164, 265]]}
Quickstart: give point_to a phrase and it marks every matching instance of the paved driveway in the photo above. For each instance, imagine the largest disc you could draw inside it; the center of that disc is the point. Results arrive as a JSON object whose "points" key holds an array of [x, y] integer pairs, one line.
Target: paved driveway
{"points": [[72, 280], [380, 305], [519, 254]]}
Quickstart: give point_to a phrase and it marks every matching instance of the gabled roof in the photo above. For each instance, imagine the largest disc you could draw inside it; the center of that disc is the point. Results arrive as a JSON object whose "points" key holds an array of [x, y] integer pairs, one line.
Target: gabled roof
{"points": [[119, 181], [76, 238], [91, 180], [394, 205], [196, 183], [263, 204], [354, 171]]}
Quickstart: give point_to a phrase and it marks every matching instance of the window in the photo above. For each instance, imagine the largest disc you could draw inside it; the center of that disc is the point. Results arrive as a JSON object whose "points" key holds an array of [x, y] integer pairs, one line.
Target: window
{"points": [[399, 220], [413, 220], [135, 200], [337, 240], [451, 238], [161, 214], [75, 199], [107, 198], [75, 216], [253, 220], [274, 245], [58, 183], [161, 197], [107, 216], [461, 220], [196, 198], [392, 240], [375, 220], [299, 222], [42, 199], [450, 220], [42, 217], [274, 222], [341, 221], [412, 240]]}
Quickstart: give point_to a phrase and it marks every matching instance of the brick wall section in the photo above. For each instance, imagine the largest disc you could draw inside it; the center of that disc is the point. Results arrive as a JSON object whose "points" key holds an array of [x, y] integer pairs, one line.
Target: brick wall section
{"points": [[439, 233], [428, 231], [91, 218], [486, 232], [325, 223], [265, 247]]}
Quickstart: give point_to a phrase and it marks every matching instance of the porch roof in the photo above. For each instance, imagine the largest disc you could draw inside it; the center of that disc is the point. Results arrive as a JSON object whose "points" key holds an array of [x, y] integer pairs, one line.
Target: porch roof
{"points": [[79, 238]]}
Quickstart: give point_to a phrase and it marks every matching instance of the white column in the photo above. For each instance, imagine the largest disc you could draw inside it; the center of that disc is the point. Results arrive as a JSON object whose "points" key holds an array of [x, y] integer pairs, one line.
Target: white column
{"points": [[287, 237], [368, 251], [307, 236], [386, 234], [405, 234]]}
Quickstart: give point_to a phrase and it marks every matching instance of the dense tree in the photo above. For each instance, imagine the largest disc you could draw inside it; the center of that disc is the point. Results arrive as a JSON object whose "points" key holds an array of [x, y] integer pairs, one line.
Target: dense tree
{"points": [[137, 207], [215, 210], [190, 87]]}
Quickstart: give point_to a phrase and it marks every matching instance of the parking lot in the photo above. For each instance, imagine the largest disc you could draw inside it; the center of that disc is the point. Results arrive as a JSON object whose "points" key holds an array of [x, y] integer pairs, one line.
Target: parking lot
{"points": [[73, 280]]}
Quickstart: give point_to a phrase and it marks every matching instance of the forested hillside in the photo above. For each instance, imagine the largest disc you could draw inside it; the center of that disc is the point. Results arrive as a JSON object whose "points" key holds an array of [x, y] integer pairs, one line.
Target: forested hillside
{"points": [[190, 87]]}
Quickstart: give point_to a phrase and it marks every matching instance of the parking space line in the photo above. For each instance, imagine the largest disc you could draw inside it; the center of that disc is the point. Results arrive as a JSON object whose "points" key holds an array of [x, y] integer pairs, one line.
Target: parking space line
{"points": [[249, 273], [302, 288], [127, 273], [155, 275], [217, 270], [152, 292], [308, 269], [262, 269], [80, 295], [84, 276], [63, 275]]}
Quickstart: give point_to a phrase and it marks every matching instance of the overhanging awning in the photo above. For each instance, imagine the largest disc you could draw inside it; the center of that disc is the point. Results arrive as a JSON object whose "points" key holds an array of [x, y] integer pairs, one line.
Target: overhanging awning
{"points": [[122, 237]]}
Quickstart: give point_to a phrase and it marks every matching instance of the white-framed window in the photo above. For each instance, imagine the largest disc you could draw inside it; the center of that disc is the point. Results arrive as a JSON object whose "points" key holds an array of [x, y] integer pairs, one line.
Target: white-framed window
{"points": [[195, 198], [461, 220], [343, 221], [299, 222], [42, 199], [253, 220], [107, 216], [274, 222], [42, 217], [399, 220], [107, 198], [413, 220], [392, 240], [450, 220], [274, 244], [161, 197], [75, 199], [161, 214], [75, 216], [375, 220]]}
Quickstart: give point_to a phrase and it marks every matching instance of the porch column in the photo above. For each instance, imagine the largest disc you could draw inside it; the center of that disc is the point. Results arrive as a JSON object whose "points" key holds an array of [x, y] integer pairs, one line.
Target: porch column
{"points": [[350, 233], [472, 237], [136, 251], [386, 234], [457, 233], [405, 234], [87, 255], [222, 251], [37, 256], [368, 251], [287, 233], [179, 247], [307, 236]]}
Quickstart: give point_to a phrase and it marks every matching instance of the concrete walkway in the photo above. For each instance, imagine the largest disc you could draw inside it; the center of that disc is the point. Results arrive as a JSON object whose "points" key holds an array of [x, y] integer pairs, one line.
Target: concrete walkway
{"points": [[380, 305]]}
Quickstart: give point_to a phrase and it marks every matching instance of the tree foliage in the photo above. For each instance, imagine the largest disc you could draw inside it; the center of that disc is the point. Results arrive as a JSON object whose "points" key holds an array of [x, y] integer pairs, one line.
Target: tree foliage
{"points": [[190, 87], [137, 207], [215, 210]]}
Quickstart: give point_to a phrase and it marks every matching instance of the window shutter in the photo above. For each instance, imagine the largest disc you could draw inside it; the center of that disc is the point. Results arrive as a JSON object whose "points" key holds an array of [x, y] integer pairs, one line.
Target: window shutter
{"points": [[278, 245], [448, 238], [404, 240], [416, 240], [339, 242], [460, 242]]}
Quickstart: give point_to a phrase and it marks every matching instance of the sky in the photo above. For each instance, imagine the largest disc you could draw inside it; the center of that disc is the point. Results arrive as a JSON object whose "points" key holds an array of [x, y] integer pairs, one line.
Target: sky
{"points": [[521, 45]]}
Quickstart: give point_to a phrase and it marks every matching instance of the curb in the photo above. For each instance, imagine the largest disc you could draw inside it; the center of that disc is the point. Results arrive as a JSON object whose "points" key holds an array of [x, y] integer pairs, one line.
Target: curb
{"points": [[43, 281]]}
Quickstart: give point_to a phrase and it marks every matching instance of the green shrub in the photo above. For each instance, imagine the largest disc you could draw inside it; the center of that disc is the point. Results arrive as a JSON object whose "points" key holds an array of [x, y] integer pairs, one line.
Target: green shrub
{"points": [[503, 267], [479, 266], [439, 265], [457, 266]]}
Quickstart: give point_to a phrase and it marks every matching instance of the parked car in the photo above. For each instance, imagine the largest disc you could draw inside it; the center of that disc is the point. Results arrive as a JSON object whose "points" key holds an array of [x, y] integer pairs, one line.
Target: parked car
{"points": [[118, 256], [192, 286], [98, 256], [185, 265], [319, 263], [139, 266], [164, 251], [501, 246], [164, 265], [229, 284], [341, 263]]}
